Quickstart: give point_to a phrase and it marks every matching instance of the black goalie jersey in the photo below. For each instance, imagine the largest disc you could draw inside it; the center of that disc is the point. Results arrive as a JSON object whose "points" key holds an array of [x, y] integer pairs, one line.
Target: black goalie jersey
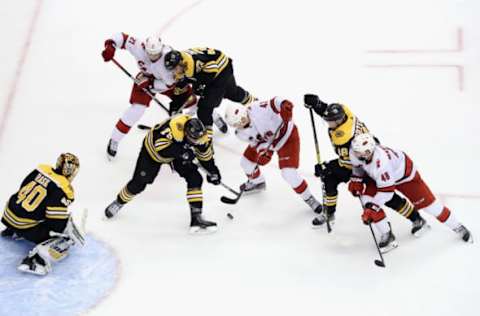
{"points": [[43, 197]]}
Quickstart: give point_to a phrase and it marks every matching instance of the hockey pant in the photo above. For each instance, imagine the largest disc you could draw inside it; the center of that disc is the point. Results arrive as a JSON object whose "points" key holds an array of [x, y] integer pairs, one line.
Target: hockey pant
{"points": [[288, 162], [224, 86], [146, 170]]}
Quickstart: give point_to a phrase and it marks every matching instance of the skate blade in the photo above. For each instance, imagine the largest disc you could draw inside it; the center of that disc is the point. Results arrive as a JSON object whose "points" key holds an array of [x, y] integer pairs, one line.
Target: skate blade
{"points": [[332, 223], [39, 271], [421, 232], [389, 248], [203, 231]]}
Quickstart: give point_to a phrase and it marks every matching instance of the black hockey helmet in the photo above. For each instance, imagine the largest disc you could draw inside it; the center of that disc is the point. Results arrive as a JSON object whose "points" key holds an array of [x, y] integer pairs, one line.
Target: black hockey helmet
{"points": [[334, 112], [195, 132], [172, 59]]}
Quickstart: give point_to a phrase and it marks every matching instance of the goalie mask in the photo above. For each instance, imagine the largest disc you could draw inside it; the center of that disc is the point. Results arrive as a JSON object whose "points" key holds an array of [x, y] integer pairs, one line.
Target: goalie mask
{"points": [[67, 165]]}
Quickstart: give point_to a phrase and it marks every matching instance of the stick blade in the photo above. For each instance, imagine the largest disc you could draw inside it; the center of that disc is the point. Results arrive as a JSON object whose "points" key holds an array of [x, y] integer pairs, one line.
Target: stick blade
{"points": [[379, 263], [228, 200]]}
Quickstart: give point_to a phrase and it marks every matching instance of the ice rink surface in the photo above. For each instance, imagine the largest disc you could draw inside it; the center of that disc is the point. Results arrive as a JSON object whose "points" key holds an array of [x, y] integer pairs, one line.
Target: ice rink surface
{"points": [[408, 69]]}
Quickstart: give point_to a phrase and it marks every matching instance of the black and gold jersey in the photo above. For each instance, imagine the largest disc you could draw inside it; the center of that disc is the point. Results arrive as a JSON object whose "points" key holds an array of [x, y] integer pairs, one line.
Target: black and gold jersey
{"points": [[342, 136], [204, 64], [44, 196], [166, 140]]}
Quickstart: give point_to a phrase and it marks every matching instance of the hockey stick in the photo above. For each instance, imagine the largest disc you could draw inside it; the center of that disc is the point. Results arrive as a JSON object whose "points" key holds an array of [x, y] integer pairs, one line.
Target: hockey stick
{"points": [[150, 94], [319, 161], [143, 127], [223, 198], [228, 200], [379, 263]]}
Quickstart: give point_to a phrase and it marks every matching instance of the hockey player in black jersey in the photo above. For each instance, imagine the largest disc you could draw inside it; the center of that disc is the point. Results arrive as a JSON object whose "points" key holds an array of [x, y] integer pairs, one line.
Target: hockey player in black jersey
{"points": [[176, 141], [38, 212], [343, 126], [211, 73]]}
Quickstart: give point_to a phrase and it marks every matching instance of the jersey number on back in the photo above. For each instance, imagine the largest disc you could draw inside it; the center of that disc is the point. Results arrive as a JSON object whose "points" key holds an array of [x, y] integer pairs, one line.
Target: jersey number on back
{"points": [[31, 195]]}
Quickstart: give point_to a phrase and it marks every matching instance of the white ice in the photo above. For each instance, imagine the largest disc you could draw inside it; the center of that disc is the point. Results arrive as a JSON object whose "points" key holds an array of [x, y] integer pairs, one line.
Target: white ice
{"points": [[267, 261]]}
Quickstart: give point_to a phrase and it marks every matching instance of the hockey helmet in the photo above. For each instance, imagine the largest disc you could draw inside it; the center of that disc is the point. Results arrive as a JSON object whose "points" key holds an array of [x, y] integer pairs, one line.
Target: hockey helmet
{"points": [[195, 132], [334, 113], [154, 47], [172, 59], [363, 146], [67, 165], [236, 115]]}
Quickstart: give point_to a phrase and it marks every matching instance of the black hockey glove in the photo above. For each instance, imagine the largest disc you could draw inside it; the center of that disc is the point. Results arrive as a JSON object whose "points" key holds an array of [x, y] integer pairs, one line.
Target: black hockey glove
{"points": [[199, 89], [214, 176], [311, 101], [321, 170]]}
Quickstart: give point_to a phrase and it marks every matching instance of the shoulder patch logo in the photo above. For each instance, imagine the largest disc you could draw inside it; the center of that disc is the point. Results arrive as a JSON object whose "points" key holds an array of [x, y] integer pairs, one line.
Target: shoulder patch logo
{"points": [[339, 133]]}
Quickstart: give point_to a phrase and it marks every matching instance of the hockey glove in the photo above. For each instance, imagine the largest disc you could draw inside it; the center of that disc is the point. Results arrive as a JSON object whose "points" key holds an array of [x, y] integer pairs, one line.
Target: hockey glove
{"points": [[356, 186], [286, 111], [322, 170], [264, 157], [372, 213], [214, 176], [144, 81], [109, 50], [312, 101]]}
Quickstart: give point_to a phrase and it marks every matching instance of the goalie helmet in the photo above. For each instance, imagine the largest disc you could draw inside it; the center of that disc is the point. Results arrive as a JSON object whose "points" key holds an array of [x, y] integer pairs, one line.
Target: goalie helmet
{"points": [[195, 132], [172, 59], [236, 115], [363, 146], [154, 47], [67, 165]]}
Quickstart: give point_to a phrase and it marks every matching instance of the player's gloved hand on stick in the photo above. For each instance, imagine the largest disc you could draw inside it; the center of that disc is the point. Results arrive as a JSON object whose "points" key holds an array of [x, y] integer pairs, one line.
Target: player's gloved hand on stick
{"points": [[264, 157], [372, 213], [321, 170], [214, 176], [109, 52], [144, 81], [356, 186], [286, 111], [311, 101]]}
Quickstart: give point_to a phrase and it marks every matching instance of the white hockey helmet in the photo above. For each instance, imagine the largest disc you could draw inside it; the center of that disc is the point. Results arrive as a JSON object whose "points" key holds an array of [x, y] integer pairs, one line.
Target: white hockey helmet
{"points": [[236, 115], [363, 146], [154, 47]]}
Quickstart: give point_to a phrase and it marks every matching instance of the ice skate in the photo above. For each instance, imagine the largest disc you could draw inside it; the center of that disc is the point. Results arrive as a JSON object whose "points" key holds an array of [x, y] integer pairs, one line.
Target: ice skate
{"points": [[464, 233], [112, 149], [314, 204], [251, 187], [34, 265], [387, 242], [200, 225], [113, 209], [220, 124], [321, 219], [10, 233], [419, 227]]}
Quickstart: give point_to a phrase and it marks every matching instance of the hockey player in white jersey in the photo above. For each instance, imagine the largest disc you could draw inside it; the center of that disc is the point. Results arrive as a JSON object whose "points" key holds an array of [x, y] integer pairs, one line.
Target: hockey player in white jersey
{"points": [[267, 126], [378, 172], [150, 57]]}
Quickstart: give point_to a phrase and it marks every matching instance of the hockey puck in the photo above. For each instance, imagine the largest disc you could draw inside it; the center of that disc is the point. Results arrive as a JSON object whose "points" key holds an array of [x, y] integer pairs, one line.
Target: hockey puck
{"points": [[229, 215]]}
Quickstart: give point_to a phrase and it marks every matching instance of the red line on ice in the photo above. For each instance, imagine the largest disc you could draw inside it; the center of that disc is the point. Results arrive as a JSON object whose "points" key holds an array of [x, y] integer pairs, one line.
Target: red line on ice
{"points": [[19, 70]]}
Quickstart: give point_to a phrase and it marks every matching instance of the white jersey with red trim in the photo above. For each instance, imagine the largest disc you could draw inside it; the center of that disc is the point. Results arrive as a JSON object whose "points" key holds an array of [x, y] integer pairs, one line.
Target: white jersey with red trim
{"points": [[388, 167], [164, 79], [265, 120]]}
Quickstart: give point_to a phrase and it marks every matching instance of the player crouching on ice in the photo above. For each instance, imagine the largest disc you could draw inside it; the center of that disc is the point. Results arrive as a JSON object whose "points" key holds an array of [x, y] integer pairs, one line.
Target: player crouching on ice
{"points": [[38, 213], [268, 127], [378, 172], [176, 141]]}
